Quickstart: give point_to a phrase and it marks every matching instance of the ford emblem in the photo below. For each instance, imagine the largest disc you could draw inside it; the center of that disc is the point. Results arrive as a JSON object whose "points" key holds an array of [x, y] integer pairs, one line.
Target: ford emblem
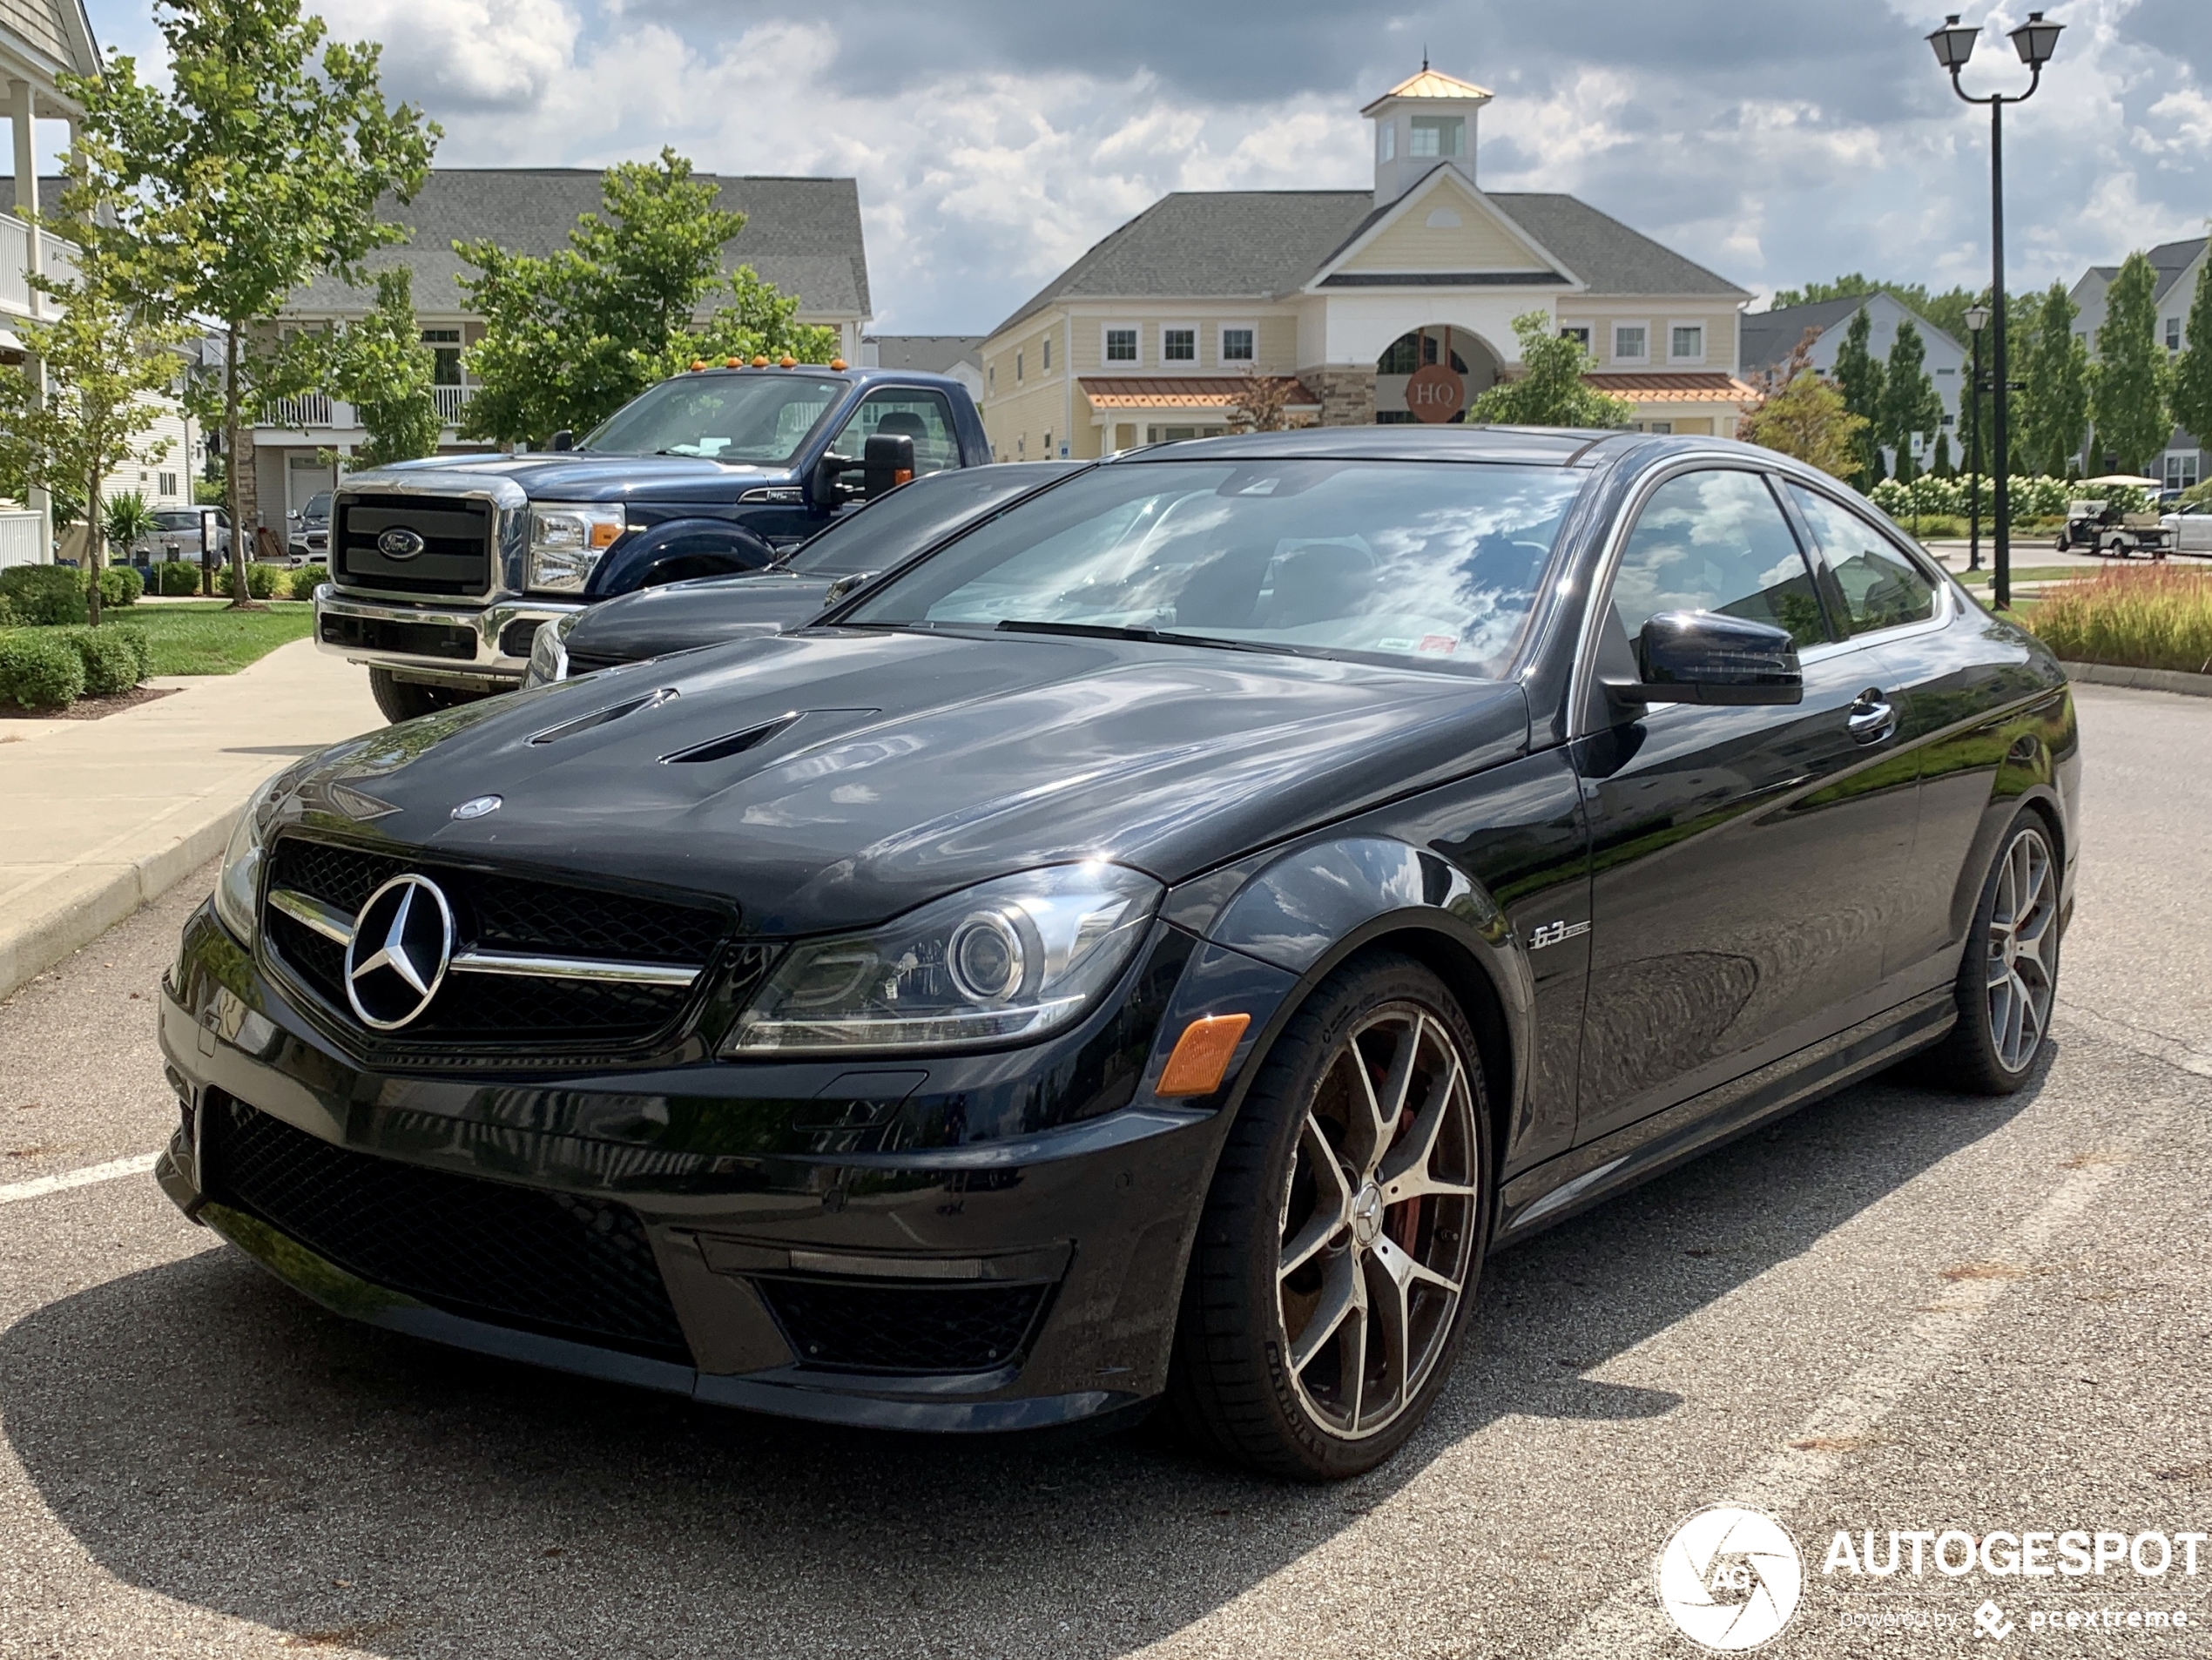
{"points": [[399, 543]]}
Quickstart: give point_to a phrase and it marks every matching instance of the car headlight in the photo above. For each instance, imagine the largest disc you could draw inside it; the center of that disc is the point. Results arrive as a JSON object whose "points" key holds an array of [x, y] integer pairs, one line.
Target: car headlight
{"points": [[550, 651], [240, 884], [566, 543], [1006, 960]]}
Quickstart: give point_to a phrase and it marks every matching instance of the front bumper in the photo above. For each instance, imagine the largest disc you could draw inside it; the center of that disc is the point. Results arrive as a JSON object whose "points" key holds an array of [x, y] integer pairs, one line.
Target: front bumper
{"points": [[441, 644], [755, 1184]]}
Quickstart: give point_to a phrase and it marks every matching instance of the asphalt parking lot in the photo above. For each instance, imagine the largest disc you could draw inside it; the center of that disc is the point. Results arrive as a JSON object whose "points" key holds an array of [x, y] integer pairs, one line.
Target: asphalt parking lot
{"points": [[1898, 1310]]}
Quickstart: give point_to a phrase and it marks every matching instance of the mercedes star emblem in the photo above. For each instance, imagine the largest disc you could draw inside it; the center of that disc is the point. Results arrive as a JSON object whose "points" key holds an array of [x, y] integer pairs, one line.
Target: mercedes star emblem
{"points": [[399, 543], [396, 960]]}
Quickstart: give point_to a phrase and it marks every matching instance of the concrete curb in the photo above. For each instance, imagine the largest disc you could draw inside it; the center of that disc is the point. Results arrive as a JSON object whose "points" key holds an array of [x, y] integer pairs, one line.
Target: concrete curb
{"points": [[2106, 674], [74, 909]]}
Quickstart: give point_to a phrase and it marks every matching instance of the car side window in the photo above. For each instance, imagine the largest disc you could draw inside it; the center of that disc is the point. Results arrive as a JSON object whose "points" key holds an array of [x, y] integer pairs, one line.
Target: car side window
{"points": [[922, 415], [1881, 587], [1717, 541]]}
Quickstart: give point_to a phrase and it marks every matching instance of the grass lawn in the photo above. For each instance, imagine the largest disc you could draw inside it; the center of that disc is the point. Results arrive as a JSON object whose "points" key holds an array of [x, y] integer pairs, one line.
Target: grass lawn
{"points": [[208, 637]]}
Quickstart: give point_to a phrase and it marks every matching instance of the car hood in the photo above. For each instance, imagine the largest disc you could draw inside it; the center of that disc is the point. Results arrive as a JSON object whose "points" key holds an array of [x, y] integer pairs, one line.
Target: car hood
{"points": [[577, 475], [686, 615], [898, 766]]}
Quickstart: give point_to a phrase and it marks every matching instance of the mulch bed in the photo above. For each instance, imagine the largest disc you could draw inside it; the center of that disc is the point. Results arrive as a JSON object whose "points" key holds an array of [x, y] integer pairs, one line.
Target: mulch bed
{"points": [[94, 708]]}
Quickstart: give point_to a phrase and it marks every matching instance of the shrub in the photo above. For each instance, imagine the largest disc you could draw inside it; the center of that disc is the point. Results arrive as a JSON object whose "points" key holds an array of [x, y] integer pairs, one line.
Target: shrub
{"points": [[9, 617], [45, 594], [115, 659], [39, 670], [2158, 618], [177, 577], [306, 580], [260, 580], [121, 586]]}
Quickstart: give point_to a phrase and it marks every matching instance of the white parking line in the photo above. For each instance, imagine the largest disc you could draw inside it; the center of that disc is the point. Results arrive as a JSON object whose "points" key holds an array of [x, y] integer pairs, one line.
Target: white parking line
{"points": [[137, 1165]]}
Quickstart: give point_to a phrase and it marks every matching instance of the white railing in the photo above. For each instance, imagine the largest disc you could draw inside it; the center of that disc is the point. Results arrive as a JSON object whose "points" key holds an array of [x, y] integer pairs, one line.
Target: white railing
{"points": [[19, 540], [60, 259], [452, 400], [308, 409]]}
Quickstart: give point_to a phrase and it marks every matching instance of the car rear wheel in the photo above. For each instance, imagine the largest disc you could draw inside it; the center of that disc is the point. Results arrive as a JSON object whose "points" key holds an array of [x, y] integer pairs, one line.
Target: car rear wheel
{"points": [[1338, 1255], [405, 699], [2008, 979]]}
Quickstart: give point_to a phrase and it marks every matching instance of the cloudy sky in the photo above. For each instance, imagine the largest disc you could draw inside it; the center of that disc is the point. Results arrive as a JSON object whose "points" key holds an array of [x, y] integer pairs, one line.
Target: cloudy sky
{"points": [[994, 141]]}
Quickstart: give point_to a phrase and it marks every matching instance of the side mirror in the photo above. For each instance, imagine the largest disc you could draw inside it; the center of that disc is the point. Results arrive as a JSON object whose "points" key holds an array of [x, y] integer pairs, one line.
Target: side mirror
{"points": [[1711, 658], [562, 439], [888, 463]]}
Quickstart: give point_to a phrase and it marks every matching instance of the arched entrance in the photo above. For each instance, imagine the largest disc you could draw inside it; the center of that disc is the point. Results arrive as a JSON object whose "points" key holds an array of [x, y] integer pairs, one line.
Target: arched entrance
{"points": [[1432, 373]]}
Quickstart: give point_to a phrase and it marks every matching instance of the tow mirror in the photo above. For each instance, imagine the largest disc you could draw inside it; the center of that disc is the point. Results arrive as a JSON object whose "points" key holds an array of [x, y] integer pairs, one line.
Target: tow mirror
{"points": [[1711, 658], [889, 462], [562, 439]]}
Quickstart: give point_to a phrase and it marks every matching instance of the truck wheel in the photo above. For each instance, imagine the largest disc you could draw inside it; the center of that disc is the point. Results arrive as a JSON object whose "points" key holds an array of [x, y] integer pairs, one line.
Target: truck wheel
{"points": [[405, 699]]}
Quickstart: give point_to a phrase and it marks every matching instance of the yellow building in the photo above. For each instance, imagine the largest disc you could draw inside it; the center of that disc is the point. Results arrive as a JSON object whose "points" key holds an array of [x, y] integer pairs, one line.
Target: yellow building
{"points": [[1341, 298]]}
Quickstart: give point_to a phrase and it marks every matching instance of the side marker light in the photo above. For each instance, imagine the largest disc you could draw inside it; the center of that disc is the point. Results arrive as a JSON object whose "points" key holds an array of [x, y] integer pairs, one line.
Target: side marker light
{"points": [[1202, 1055]]}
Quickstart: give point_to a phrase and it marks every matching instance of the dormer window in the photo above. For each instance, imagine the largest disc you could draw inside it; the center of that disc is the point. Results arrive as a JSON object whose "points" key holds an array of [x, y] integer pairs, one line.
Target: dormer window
{"points": [[1439, 135], [1386, 141]]}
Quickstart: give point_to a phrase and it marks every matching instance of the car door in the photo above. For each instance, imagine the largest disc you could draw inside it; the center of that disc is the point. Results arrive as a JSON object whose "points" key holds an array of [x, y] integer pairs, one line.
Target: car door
{"points": [[1744, 860]]}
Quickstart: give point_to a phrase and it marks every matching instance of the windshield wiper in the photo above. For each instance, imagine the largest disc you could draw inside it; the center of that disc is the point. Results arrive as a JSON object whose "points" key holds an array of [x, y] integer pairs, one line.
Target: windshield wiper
{"points": [[1153, 636]]}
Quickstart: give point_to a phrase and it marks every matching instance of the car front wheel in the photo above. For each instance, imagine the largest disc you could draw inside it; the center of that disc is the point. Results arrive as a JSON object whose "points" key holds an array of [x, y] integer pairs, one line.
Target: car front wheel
{"points": [[1338, 1255], [2009, 977]]}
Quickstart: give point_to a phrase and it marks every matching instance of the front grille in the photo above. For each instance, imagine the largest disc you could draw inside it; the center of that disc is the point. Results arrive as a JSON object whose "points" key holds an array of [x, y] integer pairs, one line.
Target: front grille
{"points": [[588, 662], [413, 640], [456, 535], [503, 912], [554, 1262], [886, 1328]]}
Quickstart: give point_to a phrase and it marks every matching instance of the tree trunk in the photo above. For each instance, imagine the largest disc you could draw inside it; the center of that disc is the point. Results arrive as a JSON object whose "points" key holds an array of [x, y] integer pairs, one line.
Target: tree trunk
{"points": [[95, 547], [233, 487]]}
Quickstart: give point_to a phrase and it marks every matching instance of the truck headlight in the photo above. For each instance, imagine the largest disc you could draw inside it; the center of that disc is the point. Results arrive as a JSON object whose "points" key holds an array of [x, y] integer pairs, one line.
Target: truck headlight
{"points": [[240, 884], [1006, 960], [566, 543]]}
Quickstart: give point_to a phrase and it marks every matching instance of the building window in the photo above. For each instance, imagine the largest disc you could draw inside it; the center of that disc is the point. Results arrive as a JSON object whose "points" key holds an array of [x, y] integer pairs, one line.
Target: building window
{"points": [[1017, 369], [1047, 354], [1236, 345], [1178, 345], [168, 484], [1686, 343], [1121, 346], [1663, 428], [2181, 469], [445, 355], [1386, 140], [2173, 333], [1580, 334], [1631, 343], [991, 378], [1438, 135], [1048, 446]]}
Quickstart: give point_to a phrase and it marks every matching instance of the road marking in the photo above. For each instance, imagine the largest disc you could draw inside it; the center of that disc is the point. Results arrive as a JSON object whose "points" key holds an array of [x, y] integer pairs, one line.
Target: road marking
{"points": [[1630, 1620], [137, 1165]]}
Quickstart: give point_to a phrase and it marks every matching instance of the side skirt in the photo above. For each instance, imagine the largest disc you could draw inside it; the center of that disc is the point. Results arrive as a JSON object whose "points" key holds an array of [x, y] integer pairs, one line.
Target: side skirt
{"points": [[1575, 1180]]}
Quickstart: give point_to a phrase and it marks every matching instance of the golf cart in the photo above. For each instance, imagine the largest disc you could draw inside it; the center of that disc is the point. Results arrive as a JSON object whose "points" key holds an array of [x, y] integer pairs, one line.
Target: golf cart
{"points": [[2102, 528]]}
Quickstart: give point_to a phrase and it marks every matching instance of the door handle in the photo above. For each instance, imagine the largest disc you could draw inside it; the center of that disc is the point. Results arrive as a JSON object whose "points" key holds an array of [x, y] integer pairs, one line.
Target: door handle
{"points": [[1873, 717]]}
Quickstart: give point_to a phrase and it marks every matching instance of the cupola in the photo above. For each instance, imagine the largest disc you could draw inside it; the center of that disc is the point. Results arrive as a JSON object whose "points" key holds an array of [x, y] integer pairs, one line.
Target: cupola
{"points": [[1427, 118]]}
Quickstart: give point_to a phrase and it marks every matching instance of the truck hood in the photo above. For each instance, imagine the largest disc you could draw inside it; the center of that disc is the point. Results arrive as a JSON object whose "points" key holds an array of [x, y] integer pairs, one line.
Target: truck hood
{"points": [[581, 475], [891, 767], [681, 616]]}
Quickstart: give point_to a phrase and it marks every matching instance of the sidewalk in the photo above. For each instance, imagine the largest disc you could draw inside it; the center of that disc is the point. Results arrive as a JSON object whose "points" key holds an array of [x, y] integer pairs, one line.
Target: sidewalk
{"points": [[98, 816]]}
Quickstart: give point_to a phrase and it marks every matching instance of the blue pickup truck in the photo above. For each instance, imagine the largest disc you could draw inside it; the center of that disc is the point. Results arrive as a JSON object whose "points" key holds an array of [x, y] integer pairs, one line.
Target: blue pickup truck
{"points": [[442, 570]]}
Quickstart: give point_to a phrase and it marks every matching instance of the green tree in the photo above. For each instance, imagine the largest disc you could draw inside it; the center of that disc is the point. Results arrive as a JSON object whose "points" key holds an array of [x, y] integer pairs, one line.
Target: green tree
{"points": [[128, 519], [107, 366], [2052, 413], [2192, 396], [257, 170], [1805, 417], [1942, 467], [1549, 390], [1909, 401], [1858, 376], [381, 366], [2128, 388], [570, 338]]}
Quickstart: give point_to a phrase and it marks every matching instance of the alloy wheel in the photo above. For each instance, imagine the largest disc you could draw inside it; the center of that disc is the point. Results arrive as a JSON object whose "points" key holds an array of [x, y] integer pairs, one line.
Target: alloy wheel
{"points": [[2023, 935], [1379, 1221]]}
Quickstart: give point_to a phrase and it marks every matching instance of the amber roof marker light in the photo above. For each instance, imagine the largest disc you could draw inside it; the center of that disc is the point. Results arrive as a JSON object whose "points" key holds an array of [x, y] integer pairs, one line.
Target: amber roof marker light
{"points": [[1202, 1056]]}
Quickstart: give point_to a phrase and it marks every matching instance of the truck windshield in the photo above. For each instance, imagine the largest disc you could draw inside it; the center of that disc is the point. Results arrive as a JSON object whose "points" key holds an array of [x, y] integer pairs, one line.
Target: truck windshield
{"points": [[1407, 562], [758, 419]]}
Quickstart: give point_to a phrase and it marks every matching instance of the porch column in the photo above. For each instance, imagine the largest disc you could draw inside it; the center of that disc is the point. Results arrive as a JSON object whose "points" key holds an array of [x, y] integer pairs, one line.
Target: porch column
{"points": [[19, 105]]}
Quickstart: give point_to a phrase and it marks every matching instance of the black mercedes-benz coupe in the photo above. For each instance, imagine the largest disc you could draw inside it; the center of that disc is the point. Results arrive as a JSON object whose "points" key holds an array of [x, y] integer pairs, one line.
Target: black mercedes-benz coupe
{"points": [[1154, 945]]}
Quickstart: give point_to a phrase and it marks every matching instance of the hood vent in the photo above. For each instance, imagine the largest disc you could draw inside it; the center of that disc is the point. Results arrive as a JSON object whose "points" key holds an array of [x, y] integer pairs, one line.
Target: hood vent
{"points": [[601, 717], [736, 743]]}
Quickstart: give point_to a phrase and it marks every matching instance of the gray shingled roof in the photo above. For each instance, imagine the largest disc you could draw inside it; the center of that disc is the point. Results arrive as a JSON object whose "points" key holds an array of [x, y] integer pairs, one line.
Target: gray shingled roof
{"points": [[925, 354], [2171, 259], [801, 234], [1254, 244], [49, 194], [1767, 338]]}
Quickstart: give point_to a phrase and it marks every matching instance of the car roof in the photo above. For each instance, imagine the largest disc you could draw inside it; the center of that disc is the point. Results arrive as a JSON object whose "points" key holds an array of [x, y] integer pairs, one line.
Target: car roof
{"points": [[857, 377], [1538, 445]]}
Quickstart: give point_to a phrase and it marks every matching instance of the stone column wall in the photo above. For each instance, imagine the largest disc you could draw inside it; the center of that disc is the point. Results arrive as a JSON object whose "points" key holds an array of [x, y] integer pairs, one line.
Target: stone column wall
{"points": [[1347, 391]]}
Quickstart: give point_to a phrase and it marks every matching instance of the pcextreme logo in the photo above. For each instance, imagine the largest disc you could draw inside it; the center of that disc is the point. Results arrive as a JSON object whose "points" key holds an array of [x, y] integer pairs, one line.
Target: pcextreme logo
{"points": [[1730, 1578]]}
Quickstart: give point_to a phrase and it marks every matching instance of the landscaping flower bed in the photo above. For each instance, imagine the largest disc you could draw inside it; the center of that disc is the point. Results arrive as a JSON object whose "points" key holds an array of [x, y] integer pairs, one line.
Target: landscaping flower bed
{"points": [[2159, 617]]}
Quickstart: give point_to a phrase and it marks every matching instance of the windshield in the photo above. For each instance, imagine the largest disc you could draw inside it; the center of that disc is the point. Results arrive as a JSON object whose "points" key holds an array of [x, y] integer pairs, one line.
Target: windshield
{"points": [[175, 519], [753, 418], [1427, 563], [879, 535], [318, 506]]}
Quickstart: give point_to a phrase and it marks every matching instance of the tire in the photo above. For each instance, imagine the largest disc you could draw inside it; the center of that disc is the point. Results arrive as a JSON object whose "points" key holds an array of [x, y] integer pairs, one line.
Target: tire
{"points": [[1400, 1276], [2008, 977], [405, 699]]}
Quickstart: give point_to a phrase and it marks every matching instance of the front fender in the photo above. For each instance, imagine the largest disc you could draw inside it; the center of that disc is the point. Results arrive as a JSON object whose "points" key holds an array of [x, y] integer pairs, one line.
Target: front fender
{"points": [[676, 550]]}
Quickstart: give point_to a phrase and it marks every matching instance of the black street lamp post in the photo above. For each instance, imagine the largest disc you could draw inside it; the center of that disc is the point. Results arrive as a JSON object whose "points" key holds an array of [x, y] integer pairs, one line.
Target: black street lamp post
{"points": [[1977, 320], [2034, 41]]}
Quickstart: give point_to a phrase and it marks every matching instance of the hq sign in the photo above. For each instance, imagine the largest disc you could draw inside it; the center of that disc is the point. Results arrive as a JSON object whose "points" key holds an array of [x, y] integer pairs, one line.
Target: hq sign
{"points": [[1435, 392]]}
